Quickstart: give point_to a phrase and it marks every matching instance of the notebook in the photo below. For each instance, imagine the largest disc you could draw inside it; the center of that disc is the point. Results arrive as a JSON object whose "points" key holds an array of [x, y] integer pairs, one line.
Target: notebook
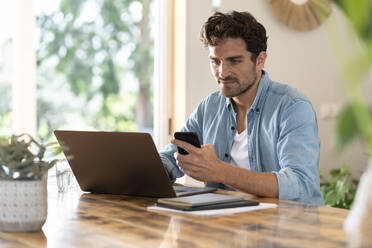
{"points": [[119, 163], [204, 202]]}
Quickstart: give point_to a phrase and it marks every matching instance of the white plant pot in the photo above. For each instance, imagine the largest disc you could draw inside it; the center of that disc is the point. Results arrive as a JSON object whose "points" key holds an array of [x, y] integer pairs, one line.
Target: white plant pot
{"points": [[23, 205]]}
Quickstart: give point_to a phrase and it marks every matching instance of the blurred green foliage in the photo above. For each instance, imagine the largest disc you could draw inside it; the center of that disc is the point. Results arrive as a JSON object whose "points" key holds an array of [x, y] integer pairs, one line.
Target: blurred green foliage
{"points": [[95, 67], [6, 48], [355, 120], [360, 14], [340, 189], [92, 49]]}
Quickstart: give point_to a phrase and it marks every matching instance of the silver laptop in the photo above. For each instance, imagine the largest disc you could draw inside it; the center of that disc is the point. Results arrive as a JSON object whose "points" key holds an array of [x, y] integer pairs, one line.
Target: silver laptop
{"points": [[119, 163]]}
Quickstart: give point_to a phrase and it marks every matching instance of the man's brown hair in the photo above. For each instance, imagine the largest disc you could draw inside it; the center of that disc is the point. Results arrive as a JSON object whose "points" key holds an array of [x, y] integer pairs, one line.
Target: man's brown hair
{"points": [[235, 24]]}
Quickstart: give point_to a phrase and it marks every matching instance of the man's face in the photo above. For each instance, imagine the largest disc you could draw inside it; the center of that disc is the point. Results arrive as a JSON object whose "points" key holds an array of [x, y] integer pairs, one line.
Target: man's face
{"points": [[232, 67]]}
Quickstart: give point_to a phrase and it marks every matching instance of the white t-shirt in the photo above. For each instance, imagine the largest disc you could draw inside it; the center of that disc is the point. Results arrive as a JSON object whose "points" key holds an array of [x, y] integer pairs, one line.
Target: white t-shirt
{"points": [[239, 151]]}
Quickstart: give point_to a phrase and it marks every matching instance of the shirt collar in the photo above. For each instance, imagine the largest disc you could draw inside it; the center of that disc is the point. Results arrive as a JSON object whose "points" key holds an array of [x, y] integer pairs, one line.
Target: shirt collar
{"points": [[262, 88]]}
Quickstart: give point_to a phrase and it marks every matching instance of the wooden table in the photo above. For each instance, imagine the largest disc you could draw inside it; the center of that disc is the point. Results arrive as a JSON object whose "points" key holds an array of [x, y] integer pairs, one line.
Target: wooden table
{"points": [[88, 220]]}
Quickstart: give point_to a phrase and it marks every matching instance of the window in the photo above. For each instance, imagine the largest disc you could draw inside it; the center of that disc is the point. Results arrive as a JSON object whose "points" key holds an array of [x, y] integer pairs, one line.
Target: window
{"points": [[6, 66], [94, 65]]}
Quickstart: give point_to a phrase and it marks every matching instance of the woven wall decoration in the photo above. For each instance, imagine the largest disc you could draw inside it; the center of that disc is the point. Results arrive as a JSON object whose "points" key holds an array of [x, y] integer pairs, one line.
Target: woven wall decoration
{"points": [[301, 15]]}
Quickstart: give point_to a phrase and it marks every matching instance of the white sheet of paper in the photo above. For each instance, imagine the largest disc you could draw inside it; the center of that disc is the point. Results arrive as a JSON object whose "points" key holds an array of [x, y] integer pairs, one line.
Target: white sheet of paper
{"points": [[214, 212]]}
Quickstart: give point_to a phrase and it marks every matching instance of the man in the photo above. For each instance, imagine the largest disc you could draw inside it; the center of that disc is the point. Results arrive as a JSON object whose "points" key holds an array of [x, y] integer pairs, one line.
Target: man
{"points": [[260, 137]]}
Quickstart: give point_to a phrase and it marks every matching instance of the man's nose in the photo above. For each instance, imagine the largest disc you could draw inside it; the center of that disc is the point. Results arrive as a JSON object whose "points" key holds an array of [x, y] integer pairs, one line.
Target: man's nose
{"points": [[223, 70]]}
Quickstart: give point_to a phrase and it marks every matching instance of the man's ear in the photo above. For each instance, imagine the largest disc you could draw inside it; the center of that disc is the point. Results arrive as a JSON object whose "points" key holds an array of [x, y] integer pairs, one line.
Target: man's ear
{"points": [[260, 61]]}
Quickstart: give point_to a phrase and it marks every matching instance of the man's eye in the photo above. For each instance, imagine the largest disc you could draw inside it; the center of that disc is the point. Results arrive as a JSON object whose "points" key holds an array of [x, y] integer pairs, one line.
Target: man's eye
{"points": [[215, 62], [235, 61]]}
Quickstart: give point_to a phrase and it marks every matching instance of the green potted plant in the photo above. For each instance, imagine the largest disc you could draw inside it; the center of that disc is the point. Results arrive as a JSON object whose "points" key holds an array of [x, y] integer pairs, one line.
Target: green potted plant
{"points": [[23, 183], [340, 188]]}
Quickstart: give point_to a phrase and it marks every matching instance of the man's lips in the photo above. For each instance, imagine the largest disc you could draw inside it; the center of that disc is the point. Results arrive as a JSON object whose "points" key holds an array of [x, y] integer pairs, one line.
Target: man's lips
{"points": [[229, 82]]}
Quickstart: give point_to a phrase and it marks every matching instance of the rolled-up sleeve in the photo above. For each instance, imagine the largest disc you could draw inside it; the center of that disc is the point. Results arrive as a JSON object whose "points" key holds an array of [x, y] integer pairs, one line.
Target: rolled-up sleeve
{"points": [[169, 162], [298, 151], [194, 124]]}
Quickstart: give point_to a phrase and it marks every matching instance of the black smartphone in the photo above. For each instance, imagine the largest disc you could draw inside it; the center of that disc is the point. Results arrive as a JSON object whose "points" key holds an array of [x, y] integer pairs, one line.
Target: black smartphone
{"points": [[189, 137]]}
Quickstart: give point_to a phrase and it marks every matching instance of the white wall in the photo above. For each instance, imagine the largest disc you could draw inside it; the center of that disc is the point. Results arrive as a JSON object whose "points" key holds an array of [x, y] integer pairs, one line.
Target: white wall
{"points": [[303, 60]]}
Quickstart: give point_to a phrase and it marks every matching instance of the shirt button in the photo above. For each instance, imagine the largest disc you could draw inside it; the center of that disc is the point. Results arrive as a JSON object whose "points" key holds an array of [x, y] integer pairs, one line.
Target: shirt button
{"points": [[226, 155], [233, 128], [257, 110]]}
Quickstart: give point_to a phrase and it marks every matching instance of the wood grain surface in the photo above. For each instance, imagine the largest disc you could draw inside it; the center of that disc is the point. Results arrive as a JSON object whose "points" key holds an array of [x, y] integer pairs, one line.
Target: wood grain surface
{"points": [[89, 220]]}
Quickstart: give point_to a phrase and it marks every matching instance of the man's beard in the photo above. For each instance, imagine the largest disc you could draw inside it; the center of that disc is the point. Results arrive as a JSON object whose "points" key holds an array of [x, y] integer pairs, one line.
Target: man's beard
{"points": [[241, 89]]}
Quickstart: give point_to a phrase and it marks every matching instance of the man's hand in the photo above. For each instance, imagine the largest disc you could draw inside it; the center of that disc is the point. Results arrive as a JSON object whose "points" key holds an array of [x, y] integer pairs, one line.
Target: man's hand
{"points": [[201, 163], [204, 165]]}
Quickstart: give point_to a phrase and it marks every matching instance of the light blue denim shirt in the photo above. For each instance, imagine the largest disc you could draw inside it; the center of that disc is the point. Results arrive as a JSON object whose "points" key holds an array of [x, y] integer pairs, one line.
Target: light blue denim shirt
{"points": [[282, 138]]}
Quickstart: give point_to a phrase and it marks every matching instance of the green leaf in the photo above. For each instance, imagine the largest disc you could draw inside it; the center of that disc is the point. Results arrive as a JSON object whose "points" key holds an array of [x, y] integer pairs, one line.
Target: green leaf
{"points": [[346, 126], [335, 172], [340, 190], [344, 170]]}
